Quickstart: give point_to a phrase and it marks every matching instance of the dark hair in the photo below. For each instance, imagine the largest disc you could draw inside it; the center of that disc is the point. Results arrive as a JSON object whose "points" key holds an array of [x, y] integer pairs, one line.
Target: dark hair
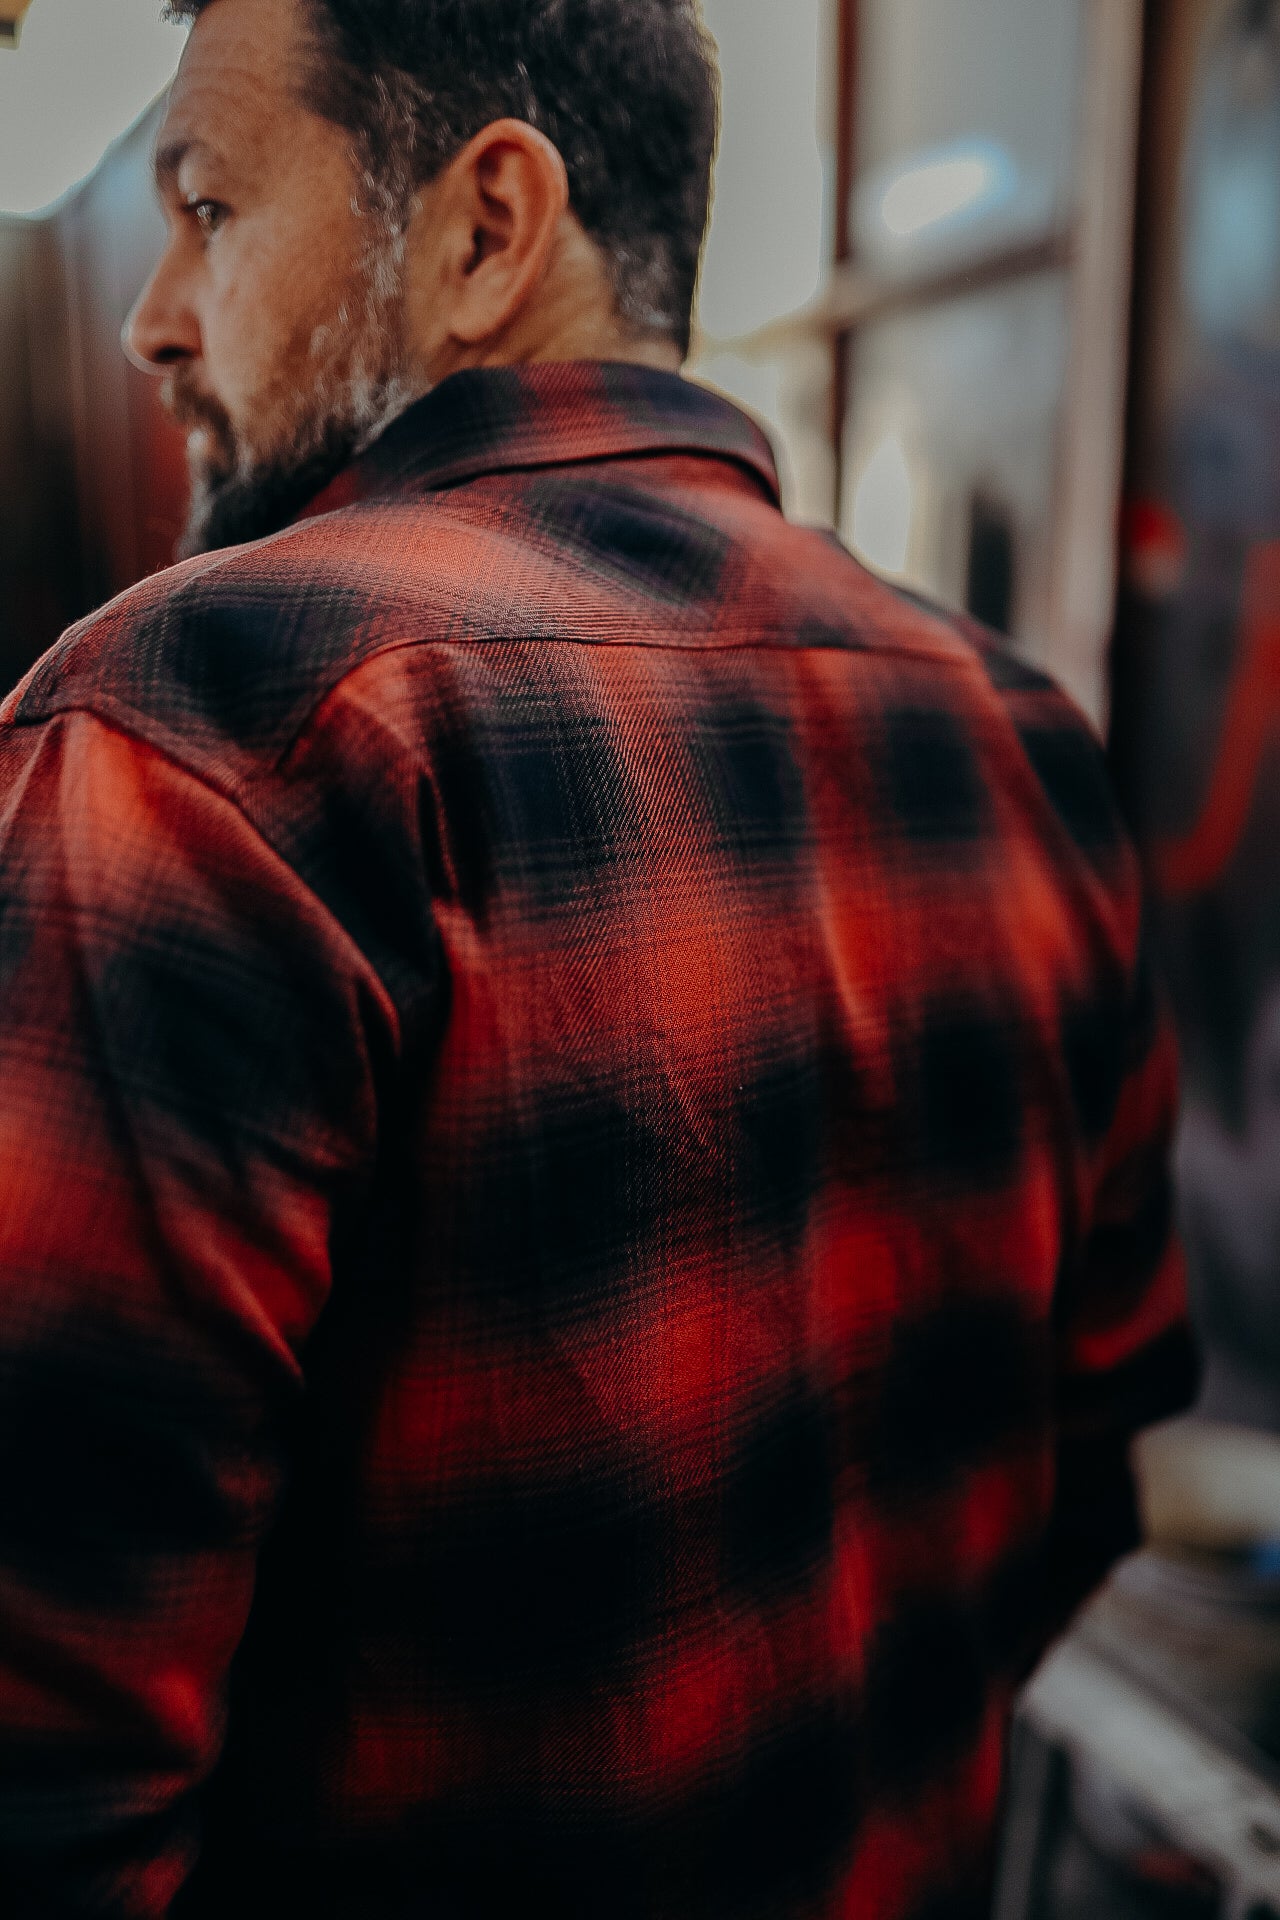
{"points": [[627, 90]]}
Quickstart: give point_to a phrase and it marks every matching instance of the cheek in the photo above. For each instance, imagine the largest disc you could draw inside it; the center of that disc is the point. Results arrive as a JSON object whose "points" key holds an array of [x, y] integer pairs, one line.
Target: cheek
{"points": [[241, 321], [265, 296]]}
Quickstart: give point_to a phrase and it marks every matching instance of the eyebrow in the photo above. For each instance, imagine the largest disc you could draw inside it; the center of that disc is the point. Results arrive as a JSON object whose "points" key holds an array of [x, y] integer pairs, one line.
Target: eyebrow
{"points": [[167, 162]]}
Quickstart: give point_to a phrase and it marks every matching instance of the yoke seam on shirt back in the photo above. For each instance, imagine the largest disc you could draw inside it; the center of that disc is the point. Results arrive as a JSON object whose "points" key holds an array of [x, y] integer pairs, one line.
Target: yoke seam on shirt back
{"points": [[962, 667]]}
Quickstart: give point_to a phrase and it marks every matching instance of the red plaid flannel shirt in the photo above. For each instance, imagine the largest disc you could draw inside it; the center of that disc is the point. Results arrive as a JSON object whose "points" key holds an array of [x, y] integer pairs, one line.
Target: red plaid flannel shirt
{"points": [[585, 1218]]}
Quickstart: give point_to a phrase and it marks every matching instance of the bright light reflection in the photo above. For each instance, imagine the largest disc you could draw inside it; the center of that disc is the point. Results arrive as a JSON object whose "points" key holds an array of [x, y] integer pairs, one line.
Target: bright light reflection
{"points": [[884, 508], [83, 73], [941, 189]]}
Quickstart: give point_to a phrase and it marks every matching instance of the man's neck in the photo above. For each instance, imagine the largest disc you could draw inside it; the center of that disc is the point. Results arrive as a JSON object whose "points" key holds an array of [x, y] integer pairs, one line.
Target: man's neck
{"points": [[573, 316]]}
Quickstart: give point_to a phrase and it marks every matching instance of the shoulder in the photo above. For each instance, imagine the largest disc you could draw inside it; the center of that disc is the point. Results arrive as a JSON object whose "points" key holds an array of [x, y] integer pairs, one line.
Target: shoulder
{"points": [[1037, 744], [222, 659], [219, 665]]}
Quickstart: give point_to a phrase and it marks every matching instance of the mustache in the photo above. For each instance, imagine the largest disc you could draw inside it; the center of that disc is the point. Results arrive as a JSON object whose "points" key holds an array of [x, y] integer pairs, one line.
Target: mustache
{"points": [[191, 407]]}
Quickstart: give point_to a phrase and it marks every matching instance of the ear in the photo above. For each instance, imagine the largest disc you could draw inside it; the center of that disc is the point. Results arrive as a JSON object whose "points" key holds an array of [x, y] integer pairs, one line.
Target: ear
{"points": [[508, 192]]}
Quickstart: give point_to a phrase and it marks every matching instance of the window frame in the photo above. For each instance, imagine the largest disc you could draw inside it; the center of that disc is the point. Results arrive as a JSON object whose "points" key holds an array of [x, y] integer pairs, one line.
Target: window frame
{"points": [[1095, 249]]}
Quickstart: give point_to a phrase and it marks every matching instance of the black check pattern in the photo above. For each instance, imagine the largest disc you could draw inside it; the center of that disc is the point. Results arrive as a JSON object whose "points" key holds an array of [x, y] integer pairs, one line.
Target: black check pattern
{"points": [[584, 1141]]}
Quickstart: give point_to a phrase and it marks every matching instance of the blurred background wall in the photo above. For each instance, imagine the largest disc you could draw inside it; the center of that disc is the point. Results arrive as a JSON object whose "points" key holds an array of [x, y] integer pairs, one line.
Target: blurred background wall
{"points": [[1002, 277], [1196, 663], [92, 476]]}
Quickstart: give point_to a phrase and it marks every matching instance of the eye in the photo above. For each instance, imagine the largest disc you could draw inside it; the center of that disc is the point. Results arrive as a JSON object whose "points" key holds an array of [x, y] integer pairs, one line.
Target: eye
{"points": [[209, 215]]}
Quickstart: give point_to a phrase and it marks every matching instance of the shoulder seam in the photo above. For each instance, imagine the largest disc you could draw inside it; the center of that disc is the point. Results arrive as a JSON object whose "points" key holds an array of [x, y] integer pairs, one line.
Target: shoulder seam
{"points": [[229, 797]]}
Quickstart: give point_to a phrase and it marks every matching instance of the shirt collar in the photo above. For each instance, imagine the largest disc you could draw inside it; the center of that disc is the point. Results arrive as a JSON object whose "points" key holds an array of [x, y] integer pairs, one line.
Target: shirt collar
{"points": [[504, 419]]}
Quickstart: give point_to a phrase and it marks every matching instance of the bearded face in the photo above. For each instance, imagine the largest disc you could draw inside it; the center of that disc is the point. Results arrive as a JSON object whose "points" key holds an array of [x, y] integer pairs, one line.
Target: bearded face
{"points": [[338, 380], [277, 312]]}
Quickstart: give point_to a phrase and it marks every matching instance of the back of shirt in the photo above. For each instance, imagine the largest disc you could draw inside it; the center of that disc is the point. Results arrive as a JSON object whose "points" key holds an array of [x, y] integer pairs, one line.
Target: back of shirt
{"points": [[629, 1127]]}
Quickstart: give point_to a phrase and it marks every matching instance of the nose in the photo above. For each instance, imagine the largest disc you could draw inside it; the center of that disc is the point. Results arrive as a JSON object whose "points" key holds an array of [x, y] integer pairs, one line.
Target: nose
{"points": [[162, 329]]}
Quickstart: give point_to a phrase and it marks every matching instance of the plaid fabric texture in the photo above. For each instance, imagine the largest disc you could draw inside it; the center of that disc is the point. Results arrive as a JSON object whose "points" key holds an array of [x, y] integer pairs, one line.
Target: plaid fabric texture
{"points": [[584, 1205]]}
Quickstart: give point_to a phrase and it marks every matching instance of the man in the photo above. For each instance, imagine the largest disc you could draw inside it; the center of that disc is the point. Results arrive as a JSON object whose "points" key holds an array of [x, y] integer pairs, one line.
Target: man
{"points": [[582, 1128]]}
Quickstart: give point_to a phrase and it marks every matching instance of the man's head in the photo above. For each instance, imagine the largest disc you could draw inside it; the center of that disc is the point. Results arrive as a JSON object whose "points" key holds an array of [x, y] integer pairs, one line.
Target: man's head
{"points": [[366, 195]]}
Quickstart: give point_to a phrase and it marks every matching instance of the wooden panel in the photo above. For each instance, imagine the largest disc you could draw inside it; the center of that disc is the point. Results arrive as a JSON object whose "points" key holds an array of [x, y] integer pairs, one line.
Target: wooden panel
{"points": [[92, 476], [130, 467], [41, 573]]}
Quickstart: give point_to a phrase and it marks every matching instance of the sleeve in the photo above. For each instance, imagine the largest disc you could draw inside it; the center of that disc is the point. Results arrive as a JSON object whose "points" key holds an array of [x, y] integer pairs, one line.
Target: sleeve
{"points": [[1125, 1353], [188, 1045]]}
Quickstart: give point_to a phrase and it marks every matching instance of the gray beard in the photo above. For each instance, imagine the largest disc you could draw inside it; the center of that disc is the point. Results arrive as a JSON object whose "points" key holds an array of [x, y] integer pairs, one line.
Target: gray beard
{"points": [[241, 496], [355, 384]]}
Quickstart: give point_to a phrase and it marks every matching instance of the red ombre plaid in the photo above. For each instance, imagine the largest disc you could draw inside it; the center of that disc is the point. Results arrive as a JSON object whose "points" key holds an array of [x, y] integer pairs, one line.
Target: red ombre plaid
{"points": [[583, 1150]]}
